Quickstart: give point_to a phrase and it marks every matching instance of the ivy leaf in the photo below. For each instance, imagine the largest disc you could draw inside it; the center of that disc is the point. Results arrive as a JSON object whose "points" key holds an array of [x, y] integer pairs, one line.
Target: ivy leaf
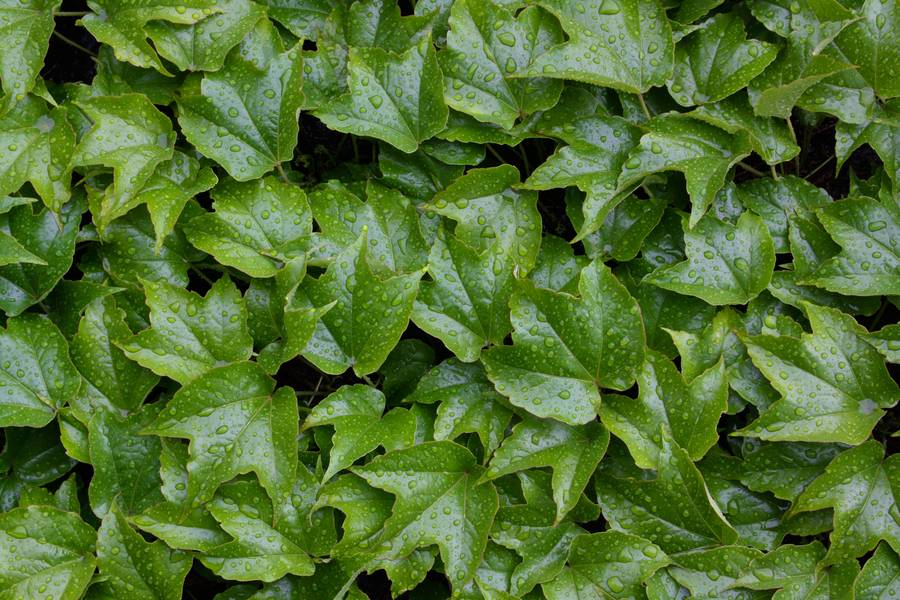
{"points": [[573, 454], [133, 566], [716, 61], [487, 210], [486, 46], [190, 335], [263, 547], [833, 383], [39, 148], [257, 226], [12, 252], [236, 424], [557, 267], [305, 19], [869, 233], [465, 304], [611, 564], [27, 27], [711, 573], [45, 551], [689, 412], [396, 98], [674, 510], [365, 511], [859, 485], [389, 218], [726, 264], [202, 45], [622, 50], [887, 341], [868, 43], [36, 374], [565, 348], [355, 412], [344, 336], [244, 116], [702, 152], [121, 25], [878, 578], [438, 501], [881, 133], [381, 24], [776, 201], [786, 469], [468, 403]]}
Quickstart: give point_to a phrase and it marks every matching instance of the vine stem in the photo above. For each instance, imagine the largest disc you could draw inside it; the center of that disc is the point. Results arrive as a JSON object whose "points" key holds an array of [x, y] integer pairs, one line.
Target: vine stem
{"points": [[281, 172], [794, 137], [71, 13], [644, 106], [775, 175], [750, 169], [75, 44]]}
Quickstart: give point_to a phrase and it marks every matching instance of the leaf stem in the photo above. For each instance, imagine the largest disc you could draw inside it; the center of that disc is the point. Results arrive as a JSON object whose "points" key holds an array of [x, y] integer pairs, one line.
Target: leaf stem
{"points": [[75, 44], [644, 106], [71, 13], [281, 172], [794, 137], [819, 168], [524, 156], [494, 153], [750, 169], [775, 175]]}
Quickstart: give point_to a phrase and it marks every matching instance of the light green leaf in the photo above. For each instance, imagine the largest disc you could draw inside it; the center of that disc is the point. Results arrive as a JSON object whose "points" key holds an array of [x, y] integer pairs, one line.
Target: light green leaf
{"points": [[121, 24], [871, 43], [789, 77], [36, 375], [236, 424], [244, 116], [880, 576], [189, 334], [869, 233], [860, 486], [711, 573], [689, 412], [716, 61], [623, 45], [833, 383], [565, 348], [304, 18], [488, 44], [674, 510], [604, 565], [573, 454], [887, 341], [397, 98], [785, 469], [12, 252], [26, 30], [557, 267], [134, 567], [438, 501], [465, 304], [487, 210], [181, 527], [881, 133], [257, 226], [365, 511], [345, 335], [702, 152], [355, 412], [726, 264], [130, 135], [39, 143], [45, 551], [202, 45], [380, 24]]}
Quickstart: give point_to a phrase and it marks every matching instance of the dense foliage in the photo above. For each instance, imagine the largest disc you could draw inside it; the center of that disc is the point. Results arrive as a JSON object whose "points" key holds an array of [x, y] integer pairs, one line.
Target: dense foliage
{"points": [[562, 299]]}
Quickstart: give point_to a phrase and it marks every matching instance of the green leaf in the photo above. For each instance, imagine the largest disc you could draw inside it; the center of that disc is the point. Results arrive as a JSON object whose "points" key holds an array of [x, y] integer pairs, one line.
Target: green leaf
{"points": [[572, 453], [777, 200], [345, 335], [565, 348], [611, 564], [674, 510], [380, 23], [786, 469], [26, 30], [130, 136], [36, 374], [202, 45], [716, 61], [397, 98], [304, 18], [726, 264], [438, 501], [189, 334], [244, 116], [122, 25], [881, 133], [871, 43], [45, 551], [39, 143], [623, 45], [133, 566], [859, 485], [465, 304], [833, 383], [887, 341], [880, 576], [711, 573], [869, 233], [702, 152], [486, 46], [355, 412], [487, 210], [688, 412], [257, 226], [237, 423]]}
